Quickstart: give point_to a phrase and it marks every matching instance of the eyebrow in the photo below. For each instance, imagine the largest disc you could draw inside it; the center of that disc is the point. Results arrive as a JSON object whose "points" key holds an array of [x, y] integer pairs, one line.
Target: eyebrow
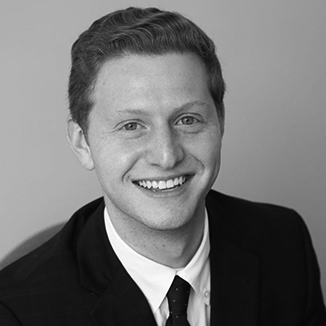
{"points": [[133, 111], [194, 103], [181, 108]]}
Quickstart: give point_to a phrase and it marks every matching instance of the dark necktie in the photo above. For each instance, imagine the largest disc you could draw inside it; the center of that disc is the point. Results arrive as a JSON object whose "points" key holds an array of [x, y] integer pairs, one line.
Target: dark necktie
{"points": [[178, 296]]}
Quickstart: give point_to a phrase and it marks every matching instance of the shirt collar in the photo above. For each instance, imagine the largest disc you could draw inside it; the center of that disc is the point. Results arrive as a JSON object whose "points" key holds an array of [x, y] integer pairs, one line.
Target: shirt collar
{"points": [[155, 279]]}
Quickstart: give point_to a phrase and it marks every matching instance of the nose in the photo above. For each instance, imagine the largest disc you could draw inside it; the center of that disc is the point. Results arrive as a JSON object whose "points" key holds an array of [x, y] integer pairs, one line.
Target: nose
{"points": [[165, 148]]}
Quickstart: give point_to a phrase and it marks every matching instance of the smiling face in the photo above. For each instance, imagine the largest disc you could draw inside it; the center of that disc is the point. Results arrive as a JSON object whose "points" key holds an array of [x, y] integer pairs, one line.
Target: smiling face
{"points": [[154, 139]]}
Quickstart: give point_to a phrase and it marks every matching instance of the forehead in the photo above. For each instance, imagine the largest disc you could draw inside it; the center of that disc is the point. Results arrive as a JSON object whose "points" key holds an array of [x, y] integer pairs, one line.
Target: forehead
{"points": [[147, 64], [143, 80]]}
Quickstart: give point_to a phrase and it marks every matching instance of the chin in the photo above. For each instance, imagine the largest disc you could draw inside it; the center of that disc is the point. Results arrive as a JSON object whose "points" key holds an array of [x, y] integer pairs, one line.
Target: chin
{"points": [[165, 221]]}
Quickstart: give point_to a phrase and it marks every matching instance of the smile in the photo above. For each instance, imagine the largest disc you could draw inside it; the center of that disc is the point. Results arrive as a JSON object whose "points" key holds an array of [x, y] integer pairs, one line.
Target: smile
{"points": [[162, 184]]}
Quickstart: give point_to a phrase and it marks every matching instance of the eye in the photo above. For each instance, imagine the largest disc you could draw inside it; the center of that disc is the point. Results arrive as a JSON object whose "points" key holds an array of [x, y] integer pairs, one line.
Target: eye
{"points": [[188, 120], [130, 126]]}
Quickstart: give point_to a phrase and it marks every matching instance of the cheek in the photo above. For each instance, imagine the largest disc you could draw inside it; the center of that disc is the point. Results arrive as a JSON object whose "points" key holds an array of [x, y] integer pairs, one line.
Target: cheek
{"points": [[115, 161], [208, 149], [213, 160]]}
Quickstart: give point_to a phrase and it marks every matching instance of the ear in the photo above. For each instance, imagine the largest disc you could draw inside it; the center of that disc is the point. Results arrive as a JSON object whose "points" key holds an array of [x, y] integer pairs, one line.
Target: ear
{"points": [[79, 145], [221, 119]]}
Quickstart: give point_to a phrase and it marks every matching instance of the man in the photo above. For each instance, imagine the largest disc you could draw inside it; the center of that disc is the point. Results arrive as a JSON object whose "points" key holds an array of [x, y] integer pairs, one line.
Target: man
{"points": [[146, 102]]}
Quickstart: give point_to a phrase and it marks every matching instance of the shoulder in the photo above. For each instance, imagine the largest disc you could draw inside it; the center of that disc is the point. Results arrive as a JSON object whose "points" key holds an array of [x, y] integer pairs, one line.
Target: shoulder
{"points": [[257, 225], [49, 275], [249, 212], [54, 256], [278, 237]]}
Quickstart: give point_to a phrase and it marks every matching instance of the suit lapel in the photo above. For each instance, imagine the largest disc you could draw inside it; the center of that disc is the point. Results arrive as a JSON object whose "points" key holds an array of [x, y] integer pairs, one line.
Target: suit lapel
{"points": [[234, 283], [121, 302], [234, 272]]}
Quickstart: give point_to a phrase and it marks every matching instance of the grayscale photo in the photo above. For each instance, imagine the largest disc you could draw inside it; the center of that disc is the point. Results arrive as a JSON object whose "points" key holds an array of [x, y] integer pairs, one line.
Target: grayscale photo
{"points": [[163, 163]]}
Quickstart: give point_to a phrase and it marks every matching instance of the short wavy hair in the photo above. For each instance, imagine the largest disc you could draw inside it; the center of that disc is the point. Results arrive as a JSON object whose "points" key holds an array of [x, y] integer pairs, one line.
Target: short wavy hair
{"points": [[148, 31]]}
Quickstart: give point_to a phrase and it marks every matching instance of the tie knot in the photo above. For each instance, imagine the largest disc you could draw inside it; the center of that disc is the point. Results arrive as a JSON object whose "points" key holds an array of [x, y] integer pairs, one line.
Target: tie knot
{"points": [[178, 296]]}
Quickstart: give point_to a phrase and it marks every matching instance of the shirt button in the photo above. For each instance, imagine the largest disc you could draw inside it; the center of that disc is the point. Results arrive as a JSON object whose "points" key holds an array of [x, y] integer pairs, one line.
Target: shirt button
{"points": [[206, 293]]}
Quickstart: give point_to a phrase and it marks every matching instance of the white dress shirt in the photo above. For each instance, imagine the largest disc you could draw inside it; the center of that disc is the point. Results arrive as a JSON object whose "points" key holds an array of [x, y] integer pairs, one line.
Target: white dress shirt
{"points": [[154, 279]]}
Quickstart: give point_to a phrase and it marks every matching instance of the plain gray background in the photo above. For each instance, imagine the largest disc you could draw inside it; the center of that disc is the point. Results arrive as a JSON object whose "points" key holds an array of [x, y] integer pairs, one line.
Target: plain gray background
{"points": [[273, 55]]}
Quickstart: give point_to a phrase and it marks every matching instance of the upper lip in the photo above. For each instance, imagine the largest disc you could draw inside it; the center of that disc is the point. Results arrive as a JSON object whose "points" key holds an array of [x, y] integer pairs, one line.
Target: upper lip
{"points": [[165, 178]]}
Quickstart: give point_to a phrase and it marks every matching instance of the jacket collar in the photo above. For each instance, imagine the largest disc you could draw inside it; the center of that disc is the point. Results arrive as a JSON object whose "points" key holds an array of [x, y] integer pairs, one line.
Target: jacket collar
{"points": [[123, 304], [121, 301], [234, 274], [234, 271]]}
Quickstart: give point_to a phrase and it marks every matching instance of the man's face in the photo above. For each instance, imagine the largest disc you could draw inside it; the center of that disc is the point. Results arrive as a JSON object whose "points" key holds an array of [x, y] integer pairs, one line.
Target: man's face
{"points": [[154, 139]]}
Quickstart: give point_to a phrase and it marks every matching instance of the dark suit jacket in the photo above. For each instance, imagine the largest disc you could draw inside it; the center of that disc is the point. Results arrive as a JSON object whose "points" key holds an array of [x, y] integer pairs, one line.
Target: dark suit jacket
{"points": [[263, 272]]}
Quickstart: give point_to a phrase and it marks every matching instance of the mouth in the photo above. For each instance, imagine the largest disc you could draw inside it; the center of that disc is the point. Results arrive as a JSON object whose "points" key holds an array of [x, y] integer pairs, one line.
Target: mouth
{"points": [[162, 185]]}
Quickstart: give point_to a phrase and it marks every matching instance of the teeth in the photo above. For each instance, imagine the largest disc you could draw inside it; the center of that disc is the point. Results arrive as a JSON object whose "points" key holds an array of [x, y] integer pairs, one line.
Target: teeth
{"points": [[170, 184], [161, 185]]}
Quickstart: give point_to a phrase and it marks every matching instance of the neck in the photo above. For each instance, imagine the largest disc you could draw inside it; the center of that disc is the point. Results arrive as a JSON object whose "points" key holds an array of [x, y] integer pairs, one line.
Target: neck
{"points": [[173, 248]]}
